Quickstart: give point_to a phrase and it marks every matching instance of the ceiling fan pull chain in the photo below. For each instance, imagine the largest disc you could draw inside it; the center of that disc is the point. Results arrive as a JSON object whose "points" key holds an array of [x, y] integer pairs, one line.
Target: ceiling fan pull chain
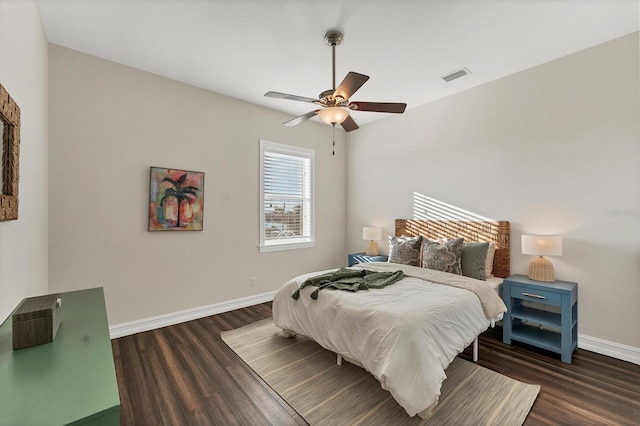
{"points": [[333, 152]]}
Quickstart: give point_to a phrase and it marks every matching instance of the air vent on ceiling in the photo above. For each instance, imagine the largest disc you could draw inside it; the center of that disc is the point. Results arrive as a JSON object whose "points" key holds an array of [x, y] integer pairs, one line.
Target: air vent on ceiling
{"points": [[456, 74]]}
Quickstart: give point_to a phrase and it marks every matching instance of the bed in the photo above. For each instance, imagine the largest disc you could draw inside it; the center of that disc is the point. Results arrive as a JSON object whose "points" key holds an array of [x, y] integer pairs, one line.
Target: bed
{"points": [[407, 333]]}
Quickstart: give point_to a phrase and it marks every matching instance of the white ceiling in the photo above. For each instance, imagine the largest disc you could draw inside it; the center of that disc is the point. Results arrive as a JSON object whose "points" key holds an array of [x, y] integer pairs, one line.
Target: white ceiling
{"points": [[244, 48]]}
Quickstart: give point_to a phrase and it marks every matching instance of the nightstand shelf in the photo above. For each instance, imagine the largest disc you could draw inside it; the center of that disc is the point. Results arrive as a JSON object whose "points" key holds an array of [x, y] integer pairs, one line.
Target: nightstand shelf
{"points": [[541, 317], [532, 314], [539, 337], [355, 258]]}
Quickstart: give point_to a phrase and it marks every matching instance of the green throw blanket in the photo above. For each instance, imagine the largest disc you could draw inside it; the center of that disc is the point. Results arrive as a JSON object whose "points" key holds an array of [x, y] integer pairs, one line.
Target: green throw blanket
{"points": [[350, 280]]}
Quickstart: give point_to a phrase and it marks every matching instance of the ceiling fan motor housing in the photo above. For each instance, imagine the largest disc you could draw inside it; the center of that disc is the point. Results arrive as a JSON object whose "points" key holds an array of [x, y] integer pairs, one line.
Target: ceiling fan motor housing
{"points": [[328, 99]]}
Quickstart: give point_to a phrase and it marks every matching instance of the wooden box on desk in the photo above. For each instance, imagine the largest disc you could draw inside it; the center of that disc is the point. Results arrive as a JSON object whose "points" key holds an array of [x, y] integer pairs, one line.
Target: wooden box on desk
{"points": [[36, 320]]}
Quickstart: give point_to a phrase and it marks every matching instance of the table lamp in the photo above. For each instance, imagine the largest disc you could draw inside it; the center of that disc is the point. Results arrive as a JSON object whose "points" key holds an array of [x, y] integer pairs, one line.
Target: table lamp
{"points": [[373, 234], [540, 269]]}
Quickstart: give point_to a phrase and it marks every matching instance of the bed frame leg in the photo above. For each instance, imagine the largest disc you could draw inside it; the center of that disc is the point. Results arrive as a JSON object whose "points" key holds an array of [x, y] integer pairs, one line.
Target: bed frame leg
{"points": [[475, 350], [339, 359]]}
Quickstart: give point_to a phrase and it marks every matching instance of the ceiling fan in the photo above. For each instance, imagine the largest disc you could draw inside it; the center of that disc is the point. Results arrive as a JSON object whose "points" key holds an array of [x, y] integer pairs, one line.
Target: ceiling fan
{"points": [[335, 102]]}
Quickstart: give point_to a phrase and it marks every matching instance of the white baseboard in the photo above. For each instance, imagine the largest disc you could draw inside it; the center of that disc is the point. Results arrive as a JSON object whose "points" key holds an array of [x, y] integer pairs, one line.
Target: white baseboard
{"points": [[146, 324], [614, 350], [593, 344]]}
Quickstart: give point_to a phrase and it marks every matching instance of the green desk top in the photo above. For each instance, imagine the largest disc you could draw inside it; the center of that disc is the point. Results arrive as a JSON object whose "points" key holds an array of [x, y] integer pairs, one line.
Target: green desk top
{"points": [[69, 379]]}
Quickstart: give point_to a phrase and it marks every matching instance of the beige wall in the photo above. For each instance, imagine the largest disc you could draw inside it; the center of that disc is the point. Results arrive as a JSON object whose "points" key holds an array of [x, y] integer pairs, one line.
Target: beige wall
{"points": [[108, 124], [23, 72], [553, 149]]}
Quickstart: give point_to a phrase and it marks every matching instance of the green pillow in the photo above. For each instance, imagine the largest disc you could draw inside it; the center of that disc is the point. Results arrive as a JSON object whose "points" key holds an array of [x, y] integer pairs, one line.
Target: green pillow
{"points": [[474, 256]]}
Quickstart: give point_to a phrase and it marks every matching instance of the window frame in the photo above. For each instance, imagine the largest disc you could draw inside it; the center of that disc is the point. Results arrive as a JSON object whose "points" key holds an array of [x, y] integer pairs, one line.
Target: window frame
{"points": [[294, 243]]}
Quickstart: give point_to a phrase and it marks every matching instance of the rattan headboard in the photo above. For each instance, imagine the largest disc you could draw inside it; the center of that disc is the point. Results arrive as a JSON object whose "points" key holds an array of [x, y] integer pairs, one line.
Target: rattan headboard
{"points": [[498, 232]]}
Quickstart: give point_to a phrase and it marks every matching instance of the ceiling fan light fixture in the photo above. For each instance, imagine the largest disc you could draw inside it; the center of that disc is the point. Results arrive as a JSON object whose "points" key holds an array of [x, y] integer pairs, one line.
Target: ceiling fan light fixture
{"points": [[333, 115]]}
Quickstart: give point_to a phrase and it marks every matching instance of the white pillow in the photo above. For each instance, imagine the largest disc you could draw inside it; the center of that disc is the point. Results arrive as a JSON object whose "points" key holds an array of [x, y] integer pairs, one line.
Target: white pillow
{"points": [[488, 266]]}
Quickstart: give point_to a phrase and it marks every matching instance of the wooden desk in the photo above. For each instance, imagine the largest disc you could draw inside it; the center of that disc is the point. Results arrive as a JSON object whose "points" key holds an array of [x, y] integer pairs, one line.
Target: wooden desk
{"points": [[70, 380]]}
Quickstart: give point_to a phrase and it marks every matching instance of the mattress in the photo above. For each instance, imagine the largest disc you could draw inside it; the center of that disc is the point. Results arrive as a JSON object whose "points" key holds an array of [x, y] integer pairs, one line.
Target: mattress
{"points": [[405, 334]]}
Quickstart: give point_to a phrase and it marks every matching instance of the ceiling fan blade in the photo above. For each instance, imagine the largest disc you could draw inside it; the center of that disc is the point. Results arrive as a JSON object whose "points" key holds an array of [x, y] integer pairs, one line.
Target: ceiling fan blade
{"points": [[349, 124], [299, 119], [290, 97], [352, 82], [393, 107]]}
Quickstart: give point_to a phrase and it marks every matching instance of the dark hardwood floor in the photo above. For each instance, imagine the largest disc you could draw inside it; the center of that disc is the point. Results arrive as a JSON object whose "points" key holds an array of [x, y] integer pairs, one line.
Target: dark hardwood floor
{"points": [[186, 375]]}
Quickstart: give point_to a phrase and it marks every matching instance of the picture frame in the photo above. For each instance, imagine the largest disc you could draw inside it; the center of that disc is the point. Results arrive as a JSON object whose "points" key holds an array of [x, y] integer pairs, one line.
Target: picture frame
{"points": [[176, 200], [9, 155]]}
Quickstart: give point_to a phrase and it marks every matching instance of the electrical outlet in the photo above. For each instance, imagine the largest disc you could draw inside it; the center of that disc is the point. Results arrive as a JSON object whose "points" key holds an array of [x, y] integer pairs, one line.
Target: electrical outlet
{"points": [[252, 281]]}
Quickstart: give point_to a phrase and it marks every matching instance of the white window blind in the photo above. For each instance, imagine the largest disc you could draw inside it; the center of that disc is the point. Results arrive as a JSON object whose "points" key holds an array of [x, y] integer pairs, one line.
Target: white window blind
{"points": [[286, 192]]}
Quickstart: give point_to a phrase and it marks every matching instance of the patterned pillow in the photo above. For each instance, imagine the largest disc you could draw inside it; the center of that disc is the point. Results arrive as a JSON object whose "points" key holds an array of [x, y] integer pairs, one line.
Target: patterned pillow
{"points": [[443, 257], [405, 250], [473, 261]]}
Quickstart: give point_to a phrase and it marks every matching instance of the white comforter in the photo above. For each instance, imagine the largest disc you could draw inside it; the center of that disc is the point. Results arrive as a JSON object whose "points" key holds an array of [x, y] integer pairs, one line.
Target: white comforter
{"points": [[405, 334]]}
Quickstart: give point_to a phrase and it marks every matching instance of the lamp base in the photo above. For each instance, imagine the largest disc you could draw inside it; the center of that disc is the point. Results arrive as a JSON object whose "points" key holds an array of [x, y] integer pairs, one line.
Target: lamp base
{"points": [[540, 269], [372, 249]]}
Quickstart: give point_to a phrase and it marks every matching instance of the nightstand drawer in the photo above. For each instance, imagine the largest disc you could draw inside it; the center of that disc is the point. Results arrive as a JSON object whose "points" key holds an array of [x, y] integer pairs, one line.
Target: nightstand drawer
{"points": [[536, 295]]}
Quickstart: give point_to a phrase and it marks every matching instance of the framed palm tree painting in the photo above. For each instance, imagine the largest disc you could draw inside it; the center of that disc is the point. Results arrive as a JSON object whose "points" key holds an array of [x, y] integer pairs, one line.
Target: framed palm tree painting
{"points": [[176, 200]]}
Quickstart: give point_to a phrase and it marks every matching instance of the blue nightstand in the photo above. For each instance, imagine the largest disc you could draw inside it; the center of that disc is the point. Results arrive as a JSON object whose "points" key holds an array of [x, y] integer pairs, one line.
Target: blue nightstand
{"points": [[364, 258], [556, 332]]}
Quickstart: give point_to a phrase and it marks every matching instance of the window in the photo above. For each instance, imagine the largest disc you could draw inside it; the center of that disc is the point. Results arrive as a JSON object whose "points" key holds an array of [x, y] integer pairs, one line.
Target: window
{"points": [[286, 197]]}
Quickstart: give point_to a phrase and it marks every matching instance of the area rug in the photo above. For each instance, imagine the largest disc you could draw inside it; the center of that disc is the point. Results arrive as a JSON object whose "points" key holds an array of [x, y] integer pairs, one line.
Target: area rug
{"points": [[306, 376]]}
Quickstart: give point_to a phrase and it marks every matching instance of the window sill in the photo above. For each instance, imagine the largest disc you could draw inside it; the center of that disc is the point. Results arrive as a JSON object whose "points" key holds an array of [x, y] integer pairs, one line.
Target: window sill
{"points": [[286, 246]]}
